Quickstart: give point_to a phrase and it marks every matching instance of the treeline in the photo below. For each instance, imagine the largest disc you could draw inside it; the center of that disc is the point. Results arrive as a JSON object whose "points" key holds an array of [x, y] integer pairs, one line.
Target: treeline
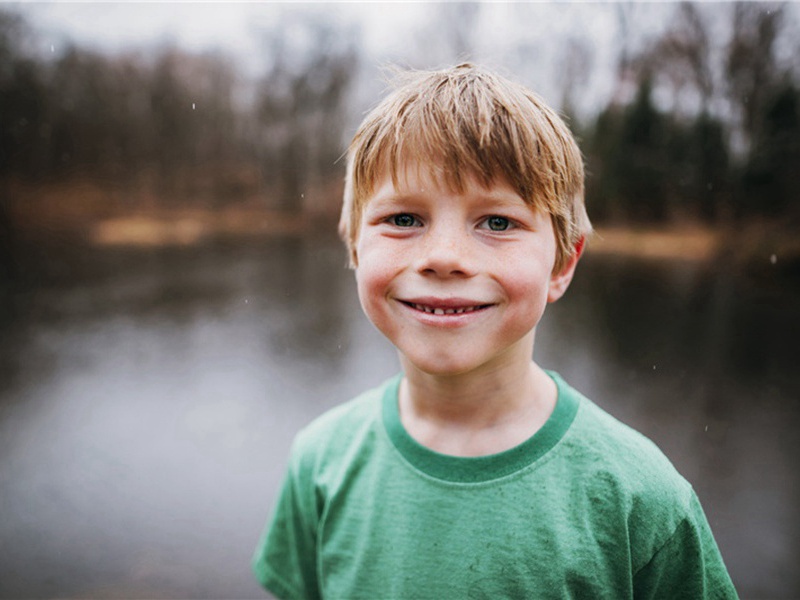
{"points": [[696, 128], [724, 143], [172, 127]]}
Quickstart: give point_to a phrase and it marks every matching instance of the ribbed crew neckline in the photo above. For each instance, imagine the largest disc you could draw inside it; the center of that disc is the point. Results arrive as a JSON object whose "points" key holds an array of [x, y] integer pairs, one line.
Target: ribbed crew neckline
{"points": [[480, 468]]}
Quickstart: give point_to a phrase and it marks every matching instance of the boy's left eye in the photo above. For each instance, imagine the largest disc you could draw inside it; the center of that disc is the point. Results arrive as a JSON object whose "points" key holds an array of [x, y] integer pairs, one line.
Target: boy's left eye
{"points": [[496, 223]]}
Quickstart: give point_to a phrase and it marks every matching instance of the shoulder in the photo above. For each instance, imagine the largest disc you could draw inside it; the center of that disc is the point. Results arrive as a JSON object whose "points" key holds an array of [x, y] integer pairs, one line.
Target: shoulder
{"points": [[614, 447], [627, 476], [649, 482]]}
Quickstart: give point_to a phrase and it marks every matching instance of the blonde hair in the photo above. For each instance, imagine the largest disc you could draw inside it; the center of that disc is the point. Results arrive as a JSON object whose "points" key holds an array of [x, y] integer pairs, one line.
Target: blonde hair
{"points": [[465, 121]]}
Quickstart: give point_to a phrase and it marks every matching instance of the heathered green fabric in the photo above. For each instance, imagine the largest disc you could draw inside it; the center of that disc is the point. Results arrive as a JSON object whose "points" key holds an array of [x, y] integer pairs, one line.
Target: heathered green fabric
{"points": [[586, 508]]}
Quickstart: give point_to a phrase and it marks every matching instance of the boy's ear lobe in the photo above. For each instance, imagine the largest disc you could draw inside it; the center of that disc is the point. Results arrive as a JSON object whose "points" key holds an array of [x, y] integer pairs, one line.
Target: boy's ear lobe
{"points": [[559, 282]]}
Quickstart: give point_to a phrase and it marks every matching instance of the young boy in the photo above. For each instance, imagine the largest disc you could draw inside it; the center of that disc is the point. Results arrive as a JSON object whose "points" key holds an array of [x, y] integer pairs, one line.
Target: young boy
{"points": [[475, 473]]}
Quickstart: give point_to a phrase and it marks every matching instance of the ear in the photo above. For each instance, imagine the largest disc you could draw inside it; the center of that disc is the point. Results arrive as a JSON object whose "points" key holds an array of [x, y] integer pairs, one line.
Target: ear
{"points": [[353, 264], [559, 282], [344, 235]]}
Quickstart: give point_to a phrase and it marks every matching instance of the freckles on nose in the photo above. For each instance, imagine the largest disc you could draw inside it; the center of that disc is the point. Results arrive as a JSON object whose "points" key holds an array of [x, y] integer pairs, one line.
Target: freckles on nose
{"points": [[443, 254]]}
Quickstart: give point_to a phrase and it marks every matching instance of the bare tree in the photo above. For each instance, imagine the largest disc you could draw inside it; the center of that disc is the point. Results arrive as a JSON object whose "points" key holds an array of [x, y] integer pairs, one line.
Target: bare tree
{"points": [[625, 84], [683, 55], [301, 103], [576, 66]]}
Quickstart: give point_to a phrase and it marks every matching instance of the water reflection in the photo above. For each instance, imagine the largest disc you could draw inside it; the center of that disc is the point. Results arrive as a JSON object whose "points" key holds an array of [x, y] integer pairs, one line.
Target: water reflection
{"points": [[148, 400], [703, 364]]}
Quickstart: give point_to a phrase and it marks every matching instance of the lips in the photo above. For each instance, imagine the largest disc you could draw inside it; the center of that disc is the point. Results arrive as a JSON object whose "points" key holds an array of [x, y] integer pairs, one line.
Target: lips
{"points": [[445, 307], [445, 311]]}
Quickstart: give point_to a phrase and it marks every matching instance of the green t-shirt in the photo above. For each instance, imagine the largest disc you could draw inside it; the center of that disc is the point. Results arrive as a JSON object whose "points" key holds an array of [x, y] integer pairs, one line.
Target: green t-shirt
{"points": [[585, 508]]}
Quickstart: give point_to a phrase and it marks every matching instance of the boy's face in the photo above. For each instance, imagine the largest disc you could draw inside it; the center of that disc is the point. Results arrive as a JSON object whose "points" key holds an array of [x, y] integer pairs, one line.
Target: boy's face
{"points": [[457, 282]]}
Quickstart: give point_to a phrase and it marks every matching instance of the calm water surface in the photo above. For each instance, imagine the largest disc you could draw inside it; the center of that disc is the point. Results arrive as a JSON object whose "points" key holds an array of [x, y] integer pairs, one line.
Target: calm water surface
{"points": [[148, 400]]}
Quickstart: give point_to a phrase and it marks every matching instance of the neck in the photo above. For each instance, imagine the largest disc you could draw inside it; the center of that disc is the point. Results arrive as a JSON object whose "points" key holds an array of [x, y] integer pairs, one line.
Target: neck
{"points": [[476, 413]]}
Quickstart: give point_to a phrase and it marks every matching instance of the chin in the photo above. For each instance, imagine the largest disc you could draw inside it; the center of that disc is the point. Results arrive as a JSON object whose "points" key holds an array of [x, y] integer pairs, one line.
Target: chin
{"points": [[439, 366]]}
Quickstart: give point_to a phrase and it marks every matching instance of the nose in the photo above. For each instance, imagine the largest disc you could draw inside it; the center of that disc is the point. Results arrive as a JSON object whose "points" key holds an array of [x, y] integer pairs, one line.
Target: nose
{"points": [[445, 252]]}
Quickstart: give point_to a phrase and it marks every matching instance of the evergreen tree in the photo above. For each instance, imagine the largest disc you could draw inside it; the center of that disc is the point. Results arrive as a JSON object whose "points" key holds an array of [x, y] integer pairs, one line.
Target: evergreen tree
{"points": [[707, 159], [771, 177], [22, 100]]}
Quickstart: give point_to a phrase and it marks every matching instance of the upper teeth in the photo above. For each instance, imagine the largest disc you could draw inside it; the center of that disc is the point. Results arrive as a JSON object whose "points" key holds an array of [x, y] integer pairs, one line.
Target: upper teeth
{"points": [[443, 311]]}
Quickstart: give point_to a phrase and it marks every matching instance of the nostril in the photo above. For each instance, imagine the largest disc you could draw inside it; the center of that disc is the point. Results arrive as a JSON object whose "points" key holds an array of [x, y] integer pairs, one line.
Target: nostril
{"points": [[444, 256], [442, 270]]}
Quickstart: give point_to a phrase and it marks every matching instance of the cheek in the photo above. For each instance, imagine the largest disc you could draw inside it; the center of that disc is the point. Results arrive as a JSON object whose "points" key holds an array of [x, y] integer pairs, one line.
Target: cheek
{"points": [[373, 286], [527, 288], [379, 261], [373, 278], [365, 283]]}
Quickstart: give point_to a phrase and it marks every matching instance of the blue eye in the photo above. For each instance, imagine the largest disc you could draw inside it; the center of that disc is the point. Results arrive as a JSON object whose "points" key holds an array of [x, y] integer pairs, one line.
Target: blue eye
{"points": [[403, 220], [498, 223]]}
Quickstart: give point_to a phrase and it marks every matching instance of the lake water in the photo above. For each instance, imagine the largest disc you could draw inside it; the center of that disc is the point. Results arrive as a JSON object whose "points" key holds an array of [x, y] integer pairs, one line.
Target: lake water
{"points": [[148, 399]]}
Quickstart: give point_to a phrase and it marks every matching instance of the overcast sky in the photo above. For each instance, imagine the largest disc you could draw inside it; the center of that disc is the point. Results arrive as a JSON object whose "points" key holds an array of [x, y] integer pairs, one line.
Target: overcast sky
{"points": [[229, 26], [530, 40], [391, 31]]}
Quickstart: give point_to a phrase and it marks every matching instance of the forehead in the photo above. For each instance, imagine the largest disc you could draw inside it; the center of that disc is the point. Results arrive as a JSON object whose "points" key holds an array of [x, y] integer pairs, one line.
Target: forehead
{"points": [[418, 174], [419, 182]]}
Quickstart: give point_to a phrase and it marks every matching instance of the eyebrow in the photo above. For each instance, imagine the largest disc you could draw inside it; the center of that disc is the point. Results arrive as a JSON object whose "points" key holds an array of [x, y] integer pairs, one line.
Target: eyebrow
{"points": [[395, 197], [507, 198]]}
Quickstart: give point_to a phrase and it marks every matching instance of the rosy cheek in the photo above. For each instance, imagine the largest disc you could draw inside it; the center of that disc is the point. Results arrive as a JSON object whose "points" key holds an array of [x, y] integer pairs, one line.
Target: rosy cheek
{"points": [[371, 277], [365, 293], [378, 259], [528, 283]]}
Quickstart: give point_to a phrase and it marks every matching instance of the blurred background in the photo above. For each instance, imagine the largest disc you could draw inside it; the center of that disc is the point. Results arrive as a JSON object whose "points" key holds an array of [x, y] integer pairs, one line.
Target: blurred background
{"points": [[174, 302]]}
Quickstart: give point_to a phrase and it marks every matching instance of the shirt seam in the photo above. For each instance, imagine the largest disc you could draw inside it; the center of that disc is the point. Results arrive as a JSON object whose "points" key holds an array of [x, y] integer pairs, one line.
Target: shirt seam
{"points": [[664, 544], [508, 477]]}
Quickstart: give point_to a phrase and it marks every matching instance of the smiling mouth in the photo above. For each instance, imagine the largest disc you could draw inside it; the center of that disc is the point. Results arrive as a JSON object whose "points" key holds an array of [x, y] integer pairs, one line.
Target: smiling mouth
{"points": [[436, 310]]}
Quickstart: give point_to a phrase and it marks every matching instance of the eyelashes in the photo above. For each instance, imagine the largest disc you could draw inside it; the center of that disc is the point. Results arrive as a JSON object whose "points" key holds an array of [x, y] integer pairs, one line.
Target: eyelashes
{"points": [[403, 220], [496, 223]]}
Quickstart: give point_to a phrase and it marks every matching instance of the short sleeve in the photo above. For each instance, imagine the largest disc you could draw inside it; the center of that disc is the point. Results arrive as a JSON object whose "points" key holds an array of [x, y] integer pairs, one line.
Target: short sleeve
{"points": [[688, 565], [285, 559]]}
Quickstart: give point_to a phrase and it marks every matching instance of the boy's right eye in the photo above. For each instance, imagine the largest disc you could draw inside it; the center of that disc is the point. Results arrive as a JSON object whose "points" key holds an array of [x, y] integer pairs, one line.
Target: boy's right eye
{"points": [[403, 220]]}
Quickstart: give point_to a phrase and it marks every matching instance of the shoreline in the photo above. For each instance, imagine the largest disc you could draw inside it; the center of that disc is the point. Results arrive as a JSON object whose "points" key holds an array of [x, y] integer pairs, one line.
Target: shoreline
{"points": [[693, 243], [748, 246], [191, 227], [186, 228]]}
